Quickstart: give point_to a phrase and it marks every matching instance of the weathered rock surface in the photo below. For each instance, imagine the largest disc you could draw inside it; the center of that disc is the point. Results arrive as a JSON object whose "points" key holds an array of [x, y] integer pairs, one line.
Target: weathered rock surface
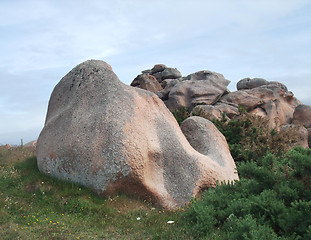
{"points": [[168, 84], [206, 93], [202, 87], [147, 82], [206, 111], [302, 134], [248, 83], [162, 72], [244, 98], [207, 140], [158, 68], [158, 73], [216, 111], [229, 110], [170, 73], [302, 115], [115, 138], [271, 101]]}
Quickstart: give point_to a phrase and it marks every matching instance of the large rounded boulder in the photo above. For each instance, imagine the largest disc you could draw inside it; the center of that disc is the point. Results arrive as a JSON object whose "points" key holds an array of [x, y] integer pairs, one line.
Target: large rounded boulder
{"points": [[204, 137], [115, 139]]}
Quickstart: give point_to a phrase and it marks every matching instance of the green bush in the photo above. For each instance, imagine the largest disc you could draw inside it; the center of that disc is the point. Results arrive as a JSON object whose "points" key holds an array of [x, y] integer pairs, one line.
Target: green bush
{"points": [[250, 137], [272, 200], [181, 114]]}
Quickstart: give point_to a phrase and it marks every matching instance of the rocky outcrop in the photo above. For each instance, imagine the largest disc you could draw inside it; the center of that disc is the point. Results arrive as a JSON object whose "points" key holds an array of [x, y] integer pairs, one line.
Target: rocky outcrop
{"points": [[302, 115], [209, 90], [203, 87], [167, 84], [302, 134], [162, 72], [207, 111], [147, 82], [205, 93], [215, 112], [271, 101], [115, 138]]}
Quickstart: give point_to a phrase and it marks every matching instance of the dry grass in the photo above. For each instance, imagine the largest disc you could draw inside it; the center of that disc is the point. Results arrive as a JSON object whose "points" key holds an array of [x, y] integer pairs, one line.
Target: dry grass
{"points": [[12, 155]]}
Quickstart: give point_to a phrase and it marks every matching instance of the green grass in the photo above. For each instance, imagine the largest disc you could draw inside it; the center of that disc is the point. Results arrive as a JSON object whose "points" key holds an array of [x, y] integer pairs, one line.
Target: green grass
{"points": [[37, 206], [272, 200]]}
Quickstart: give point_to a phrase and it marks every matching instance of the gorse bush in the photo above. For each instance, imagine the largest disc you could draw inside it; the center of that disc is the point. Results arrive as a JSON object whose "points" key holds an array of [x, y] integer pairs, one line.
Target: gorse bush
{"points": [[272, 200], [249, 137], [181, 114]]}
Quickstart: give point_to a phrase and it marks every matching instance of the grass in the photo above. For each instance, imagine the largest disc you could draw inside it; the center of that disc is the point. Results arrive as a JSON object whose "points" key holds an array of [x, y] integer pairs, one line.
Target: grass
{"points": [[37, 206]]}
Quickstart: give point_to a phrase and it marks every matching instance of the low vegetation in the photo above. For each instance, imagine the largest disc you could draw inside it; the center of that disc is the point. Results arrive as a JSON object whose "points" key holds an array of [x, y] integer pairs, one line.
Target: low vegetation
{"points": [[249, 137], [36, 206], [181, 114], [272, 200]]}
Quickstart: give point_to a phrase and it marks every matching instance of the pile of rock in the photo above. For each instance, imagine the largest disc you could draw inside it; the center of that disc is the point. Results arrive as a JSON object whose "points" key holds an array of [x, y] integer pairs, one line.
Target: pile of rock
{"points": [[203, 87], [115, 138], [205, 93]]}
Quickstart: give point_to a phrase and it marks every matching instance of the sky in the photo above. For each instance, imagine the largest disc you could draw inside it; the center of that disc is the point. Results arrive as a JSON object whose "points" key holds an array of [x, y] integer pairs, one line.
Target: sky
{"points": [[42, 40]]}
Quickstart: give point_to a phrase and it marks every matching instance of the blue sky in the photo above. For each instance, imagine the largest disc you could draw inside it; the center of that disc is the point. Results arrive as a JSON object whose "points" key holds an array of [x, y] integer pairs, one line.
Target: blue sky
{"points": [[42, 40]]}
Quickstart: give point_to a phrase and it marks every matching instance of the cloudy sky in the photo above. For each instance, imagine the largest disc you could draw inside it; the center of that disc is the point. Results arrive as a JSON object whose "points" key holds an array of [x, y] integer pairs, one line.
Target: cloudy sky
{"points": [[42, 40]]}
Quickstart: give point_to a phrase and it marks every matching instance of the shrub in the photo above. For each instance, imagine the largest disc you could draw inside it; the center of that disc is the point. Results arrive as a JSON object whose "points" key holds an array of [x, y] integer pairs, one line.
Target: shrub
{"points": [[271, 201], [250, 137], [181, 114]]}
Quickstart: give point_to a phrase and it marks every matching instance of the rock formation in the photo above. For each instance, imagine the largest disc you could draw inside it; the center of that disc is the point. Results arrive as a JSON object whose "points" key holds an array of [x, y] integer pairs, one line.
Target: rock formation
{"points": [[203, 87], [302, 115], [269, 100], [147, 82], [115, 138], [302, 134], [205, 93]]}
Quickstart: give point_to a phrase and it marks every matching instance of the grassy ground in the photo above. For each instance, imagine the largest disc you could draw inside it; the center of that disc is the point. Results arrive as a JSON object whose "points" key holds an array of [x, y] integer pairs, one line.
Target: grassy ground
{"points": [[36, 206]]}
